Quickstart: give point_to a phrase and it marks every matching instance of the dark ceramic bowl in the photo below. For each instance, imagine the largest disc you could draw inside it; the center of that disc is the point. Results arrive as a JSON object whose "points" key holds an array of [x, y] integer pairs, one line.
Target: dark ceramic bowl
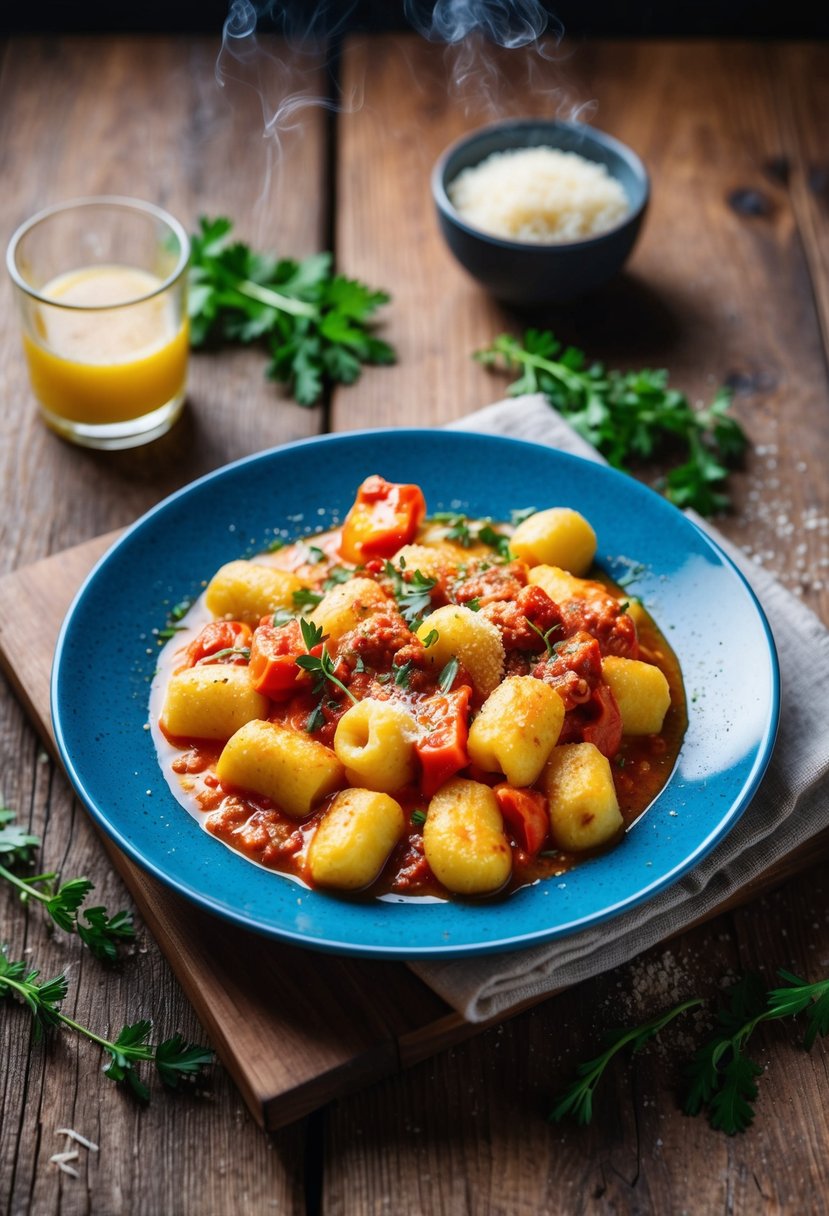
{"points": [[524, 272]]}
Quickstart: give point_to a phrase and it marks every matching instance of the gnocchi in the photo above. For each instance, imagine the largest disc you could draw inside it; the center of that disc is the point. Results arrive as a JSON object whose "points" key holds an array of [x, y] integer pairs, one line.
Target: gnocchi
{"points": [[464, 839], [438, 707], [247, 591]]}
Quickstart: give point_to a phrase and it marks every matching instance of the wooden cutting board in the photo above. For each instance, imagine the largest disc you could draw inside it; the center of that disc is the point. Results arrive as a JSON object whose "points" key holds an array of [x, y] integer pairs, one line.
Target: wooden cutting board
{"points": [[294, 1028]]}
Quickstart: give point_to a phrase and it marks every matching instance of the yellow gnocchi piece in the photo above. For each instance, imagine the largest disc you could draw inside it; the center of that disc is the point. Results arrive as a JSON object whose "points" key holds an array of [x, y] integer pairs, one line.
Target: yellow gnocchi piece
{"points": [[292, 770], [375, 742], [471, 639], [584, 811], [464, 839], [431, 560], [354, 839], [517, 728], [344, 607], [247, 591], [210, 702], [560, 585], [642, 694], [559, 536]]}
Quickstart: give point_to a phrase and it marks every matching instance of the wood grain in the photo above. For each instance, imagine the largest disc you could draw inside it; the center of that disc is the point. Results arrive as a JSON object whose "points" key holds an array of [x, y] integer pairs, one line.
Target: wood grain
{"points": [[723, 285], [731, 300], [144, 117]]}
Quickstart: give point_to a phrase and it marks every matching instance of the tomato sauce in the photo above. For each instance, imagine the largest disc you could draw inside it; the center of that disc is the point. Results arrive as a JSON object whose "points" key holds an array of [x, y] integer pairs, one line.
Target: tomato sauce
{"points": [[382, 657]]}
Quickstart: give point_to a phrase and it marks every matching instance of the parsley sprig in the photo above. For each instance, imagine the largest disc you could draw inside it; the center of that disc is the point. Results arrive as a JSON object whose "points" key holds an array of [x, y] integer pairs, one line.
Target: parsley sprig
{"points": [[316, 324], [100, 932], [577, 1099], [628, 416], [173, 1058], [721, 1077], [321, 667], [413, 594]]}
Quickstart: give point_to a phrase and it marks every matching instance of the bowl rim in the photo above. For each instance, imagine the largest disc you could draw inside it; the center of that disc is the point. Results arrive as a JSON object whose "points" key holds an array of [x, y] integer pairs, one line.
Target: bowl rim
{"points": [[623, 150]]}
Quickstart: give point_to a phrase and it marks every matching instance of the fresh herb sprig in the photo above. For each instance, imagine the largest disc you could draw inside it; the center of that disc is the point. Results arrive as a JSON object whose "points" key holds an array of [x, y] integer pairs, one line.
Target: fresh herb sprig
{"points": [[100, 932], [16, 844], [721, 1077], [577, 1099], [629, 416], [316, 324], [321, 667], [174, 1059], [413, 595]]}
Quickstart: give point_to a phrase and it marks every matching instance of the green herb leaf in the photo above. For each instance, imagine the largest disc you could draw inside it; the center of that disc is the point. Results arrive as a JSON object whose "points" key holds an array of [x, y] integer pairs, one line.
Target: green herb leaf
{"points": [[176, 1059], [628, 416], [495, 540], [457, 527], [447, 676], [101, 933], [545, 637], [402, 675], [316, 324], [64, 904], [430, 639], [305, 598], [720, 1075], [418, 817], [577, 1099], [413, 592], [16, 844]]}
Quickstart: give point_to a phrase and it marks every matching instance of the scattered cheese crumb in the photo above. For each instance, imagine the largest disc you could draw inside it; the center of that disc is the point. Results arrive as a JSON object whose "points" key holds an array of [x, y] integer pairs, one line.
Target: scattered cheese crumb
{"points": [[78, 1138]]}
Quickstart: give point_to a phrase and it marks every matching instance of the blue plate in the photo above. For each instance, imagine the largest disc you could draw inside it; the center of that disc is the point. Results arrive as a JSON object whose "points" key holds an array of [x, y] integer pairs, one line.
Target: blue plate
{"points": [[106, 656]]}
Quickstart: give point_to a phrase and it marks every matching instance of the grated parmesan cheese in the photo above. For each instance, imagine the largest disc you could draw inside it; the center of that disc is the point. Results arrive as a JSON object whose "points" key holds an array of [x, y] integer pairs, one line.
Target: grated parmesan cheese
{"points": [[540, 195]]}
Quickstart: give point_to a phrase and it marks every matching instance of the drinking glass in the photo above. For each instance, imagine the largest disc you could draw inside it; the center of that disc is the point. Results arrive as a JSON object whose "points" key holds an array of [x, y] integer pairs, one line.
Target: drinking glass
{"points": [[102, 288]]}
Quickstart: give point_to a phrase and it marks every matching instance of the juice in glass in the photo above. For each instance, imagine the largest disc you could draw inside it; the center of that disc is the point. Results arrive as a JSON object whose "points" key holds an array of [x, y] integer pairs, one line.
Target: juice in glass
{"points": [[106, 340]]}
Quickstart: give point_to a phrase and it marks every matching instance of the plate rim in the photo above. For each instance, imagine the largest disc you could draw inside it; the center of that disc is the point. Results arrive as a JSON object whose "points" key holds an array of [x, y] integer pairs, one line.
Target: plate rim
{"points": [[348, 947]]}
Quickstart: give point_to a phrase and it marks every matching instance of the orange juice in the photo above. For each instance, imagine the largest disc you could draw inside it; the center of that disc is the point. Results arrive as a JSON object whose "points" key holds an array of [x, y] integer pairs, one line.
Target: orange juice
{"points": [[106, 353]]}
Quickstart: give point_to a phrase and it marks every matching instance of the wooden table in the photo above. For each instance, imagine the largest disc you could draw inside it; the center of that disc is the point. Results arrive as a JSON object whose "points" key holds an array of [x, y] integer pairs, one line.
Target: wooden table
{"points": [[729, 284]]}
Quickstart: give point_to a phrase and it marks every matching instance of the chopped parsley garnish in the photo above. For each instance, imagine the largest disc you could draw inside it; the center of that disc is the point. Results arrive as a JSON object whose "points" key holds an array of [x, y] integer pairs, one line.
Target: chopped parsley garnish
{"points": [[430, 639], [447, 676], [316, 719], [275, 545], [337, 575], [518, 516], [495, 540], [419, 817], [305, 598], [164, 635], [315, 554], [282, 617], [402, 674], [457, 527], [180, 609], [474, 605], [545, 637], [320, 667], [413, 595]]}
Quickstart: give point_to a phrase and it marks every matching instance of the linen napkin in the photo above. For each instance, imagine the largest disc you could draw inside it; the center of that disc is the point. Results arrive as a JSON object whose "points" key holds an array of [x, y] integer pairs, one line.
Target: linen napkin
{"points": [[791, 805]]}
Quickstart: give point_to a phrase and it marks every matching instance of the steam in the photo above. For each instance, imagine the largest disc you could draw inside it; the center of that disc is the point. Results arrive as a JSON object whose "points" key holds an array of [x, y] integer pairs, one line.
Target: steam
{"points": [[507, 23], [496, 53], [286, 83]]}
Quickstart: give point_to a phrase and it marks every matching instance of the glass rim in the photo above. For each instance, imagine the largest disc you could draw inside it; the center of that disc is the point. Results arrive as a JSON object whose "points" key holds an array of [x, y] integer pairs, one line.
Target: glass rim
{"points": [[115, 201]]}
